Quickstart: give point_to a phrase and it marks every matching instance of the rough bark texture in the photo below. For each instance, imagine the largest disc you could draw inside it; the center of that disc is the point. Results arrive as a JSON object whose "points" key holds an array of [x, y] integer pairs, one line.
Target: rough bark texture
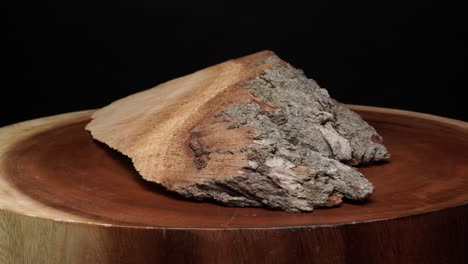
{"points": [[286, 144], [300, 137]]}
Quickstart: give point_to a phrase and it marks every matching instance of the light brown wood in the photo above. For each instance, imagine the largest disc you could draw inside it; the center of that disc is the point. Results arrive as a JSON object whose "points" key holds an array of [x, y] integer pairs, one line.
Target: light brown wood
{"points": [[65, 198], [152, 127]]}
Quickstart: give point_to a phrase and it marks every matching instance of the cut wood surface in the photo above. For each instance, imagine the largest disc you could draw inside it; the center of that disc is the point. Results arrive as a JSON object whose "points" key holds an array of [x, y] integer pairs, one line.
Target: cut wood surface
{"points": [[247, 132], [65, 198]]}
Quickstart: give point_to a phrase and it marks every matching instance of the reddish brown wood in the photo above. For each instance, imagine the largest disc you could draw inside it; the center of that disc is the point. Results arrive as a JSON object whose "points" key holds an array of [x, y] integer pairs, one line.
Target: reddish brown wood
{"points": [[417, 215]]}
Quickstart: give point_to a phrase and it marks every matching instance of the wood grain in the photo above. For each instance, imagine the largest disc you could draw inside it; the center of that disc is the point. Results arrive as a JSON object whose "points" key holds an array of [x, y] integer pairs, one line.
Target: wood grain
{"points": [[65, 198], [151, 127]]}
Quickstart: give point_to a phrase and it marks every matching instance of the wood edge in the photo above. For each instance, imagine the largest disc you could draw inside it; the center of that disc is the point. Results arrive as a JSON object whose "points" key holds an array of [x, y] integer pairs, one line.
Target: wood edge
{"points": [[38, 125], [44, 121], [11, 214], [400, 112], [14, 201], [407, 240]]}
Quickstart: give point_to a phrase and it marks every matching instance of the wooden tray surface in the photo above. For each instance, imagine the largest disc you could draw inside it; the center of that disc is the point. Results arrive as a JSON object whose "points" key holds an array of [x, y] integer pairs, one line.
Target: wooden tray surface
{"points": [[52, 170]]}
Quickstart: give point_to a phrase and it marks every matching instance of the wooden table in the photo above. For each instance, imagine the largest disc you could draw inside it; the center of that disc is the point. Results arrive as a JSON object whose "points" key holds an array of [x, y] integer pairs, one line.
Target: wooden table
{"points": [[65, 198]]}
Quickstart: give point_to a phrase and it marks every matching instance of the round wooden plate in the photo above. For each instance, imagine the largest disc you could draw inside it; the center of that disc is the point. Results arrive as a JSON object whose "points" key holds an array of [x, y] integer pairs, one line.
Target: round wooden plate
{"points": [[65, 198]]}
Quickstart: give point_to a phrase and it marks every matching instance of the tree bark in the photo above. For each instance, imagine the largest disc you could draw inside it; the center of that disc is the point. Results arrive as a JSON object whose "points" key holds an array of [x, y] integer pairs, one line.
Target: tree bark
{"points": [[253, 131]]}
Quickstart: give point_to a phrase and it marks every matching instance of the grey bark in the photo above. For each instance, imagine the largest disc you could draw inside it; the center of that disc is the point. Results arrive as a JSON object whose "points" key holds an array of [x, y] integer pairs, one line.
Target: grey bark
{"points": [[298, 158]]}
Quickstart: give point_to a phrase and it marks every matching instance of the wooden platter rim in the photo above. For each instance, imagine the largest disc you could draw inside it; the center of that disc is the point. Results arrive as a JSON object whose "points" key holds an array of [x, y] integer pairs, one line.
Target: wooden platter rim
{"points": [[446, 120], [41, 124], [259, 228]]}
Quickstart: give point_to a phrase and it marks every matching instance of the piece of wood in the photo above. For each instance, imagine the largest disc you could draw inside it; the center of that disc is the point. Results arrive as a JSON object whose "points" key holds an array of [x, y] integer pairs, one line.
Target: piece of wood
{"points": [[64, 198], [253, 131]]}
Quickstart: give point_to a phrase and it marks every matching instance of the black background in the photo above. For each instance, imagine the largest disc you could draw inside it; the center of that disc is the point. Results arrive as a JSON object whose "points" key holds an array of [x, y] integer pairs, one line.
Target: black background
{"points": [[61, 57]]}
